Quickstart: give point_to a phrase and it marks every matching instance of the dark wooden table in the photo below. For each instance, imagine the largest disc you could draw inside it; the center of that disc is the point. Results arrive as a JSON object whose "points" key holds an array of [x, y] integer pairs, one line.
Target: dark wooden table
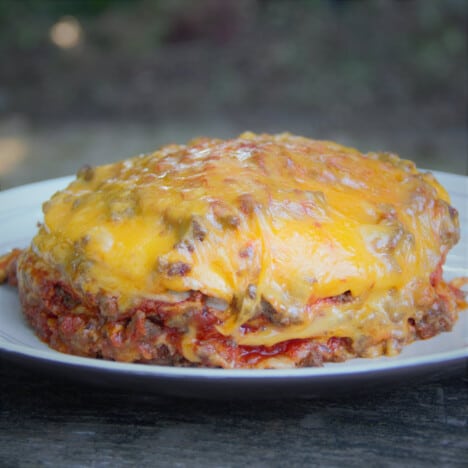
{"points": [[47, 420]]}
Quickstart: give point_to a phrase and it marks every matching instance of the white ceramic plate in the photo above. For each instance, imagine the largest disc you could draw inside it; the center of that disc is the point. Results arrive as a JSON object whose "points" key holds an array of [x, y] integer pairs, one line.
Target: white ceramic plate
{"points": [[20, 210]]}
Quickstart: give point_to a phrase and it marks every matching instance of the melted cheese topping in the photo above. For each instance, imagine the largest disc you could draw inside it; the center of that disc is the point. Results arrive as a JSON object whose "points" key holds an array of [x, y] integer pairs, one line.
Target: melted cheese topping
{"points": [[277, 219]]}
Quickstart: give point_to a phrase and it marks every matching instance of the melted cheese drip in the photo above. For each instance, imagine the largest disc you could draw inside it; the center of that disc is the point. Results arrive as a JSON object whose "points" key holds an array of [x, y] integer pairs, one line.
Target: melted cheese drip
{"points": [[281, 219]]}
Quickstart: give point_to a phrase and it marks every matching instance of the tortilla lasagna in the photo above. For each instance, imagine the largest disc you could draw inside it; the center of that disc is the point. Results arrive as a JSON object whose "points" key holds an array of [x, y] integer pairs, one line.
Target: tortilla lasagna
{"points": [[263, 251]]}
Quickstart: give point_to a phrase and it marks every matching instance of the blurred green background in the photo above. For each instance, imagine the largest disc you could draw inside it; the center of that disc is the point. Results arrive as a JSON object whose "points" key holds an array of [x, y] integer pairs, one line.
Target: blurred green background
{"points": [[93, 81]]}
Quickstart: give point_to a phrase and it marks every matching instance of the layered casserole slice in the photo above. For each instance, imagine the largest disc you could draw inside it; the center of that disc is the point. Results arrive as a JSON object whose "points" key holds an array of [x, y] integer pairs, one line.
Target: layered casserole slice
{"points": [[263, 251]]}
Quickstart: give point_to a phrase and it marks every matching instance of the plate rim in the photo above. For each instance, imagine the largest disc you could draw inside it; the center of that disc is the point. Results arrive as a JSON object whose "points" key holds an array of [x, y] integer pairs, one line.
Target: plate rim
{"points": [[372, 365]]}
